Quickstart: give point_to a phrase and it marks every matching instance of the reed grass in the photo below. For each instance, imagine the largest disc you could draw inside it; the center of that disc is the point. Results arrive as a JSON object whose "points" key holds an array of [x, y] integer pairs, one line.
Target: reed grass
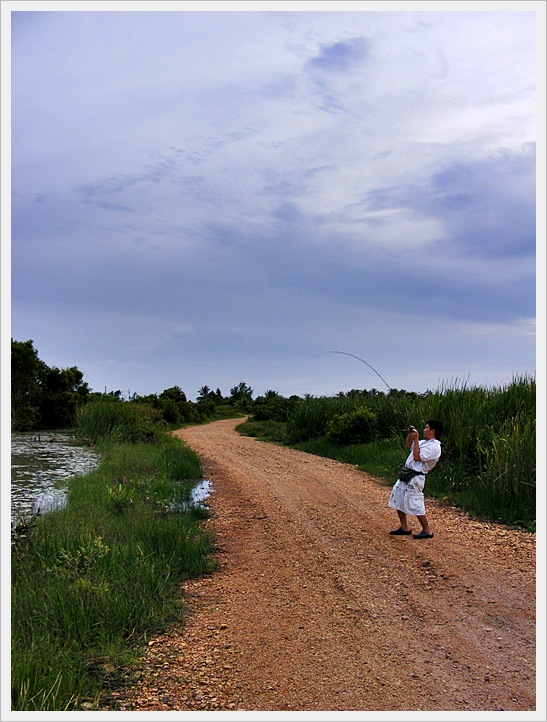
{"points": [[96, 578], [310, 417], [109, 419]]}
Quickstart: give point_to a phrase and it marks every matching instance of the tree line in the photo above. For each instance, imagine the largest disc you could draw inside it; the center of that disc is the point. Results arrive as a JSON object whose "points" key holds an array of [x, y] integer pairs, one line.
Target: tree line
{"points": [[47, 397], [42, 396]]}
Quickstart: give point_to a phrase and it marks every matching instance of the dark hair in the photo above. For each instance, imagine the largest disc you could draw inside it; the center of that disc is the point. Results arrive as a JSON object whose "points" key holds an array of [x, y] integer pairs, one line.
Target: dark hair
{"points": [[437, 427]]}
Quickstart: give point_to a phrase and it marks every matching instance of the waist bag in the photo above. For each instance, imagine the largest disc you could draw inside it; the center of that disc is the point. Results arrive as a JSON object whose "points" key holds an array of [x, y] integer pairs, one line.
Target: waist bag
{"points": [[406, 474]]}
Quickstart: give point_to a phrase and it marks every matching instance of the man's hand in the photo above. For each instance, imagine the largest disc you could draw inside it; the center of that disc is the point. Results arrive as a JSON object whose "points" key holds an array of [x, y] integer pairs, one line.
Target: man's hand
{"points": [[413, 433], [414, 437]]}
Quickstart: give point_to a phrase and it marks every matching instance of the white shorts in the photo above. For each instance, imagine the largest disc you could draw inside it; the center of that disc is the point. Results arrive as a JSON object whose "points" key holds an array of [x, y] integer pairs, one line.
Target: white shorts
{"points": [[408, 497]]}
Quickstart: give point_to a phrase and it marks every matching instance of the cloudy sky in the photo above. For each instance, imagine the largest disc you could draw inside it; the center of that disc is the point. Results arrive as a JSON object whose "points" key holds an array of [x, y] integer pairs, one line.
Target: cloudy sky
{"points": [[203, 197]]}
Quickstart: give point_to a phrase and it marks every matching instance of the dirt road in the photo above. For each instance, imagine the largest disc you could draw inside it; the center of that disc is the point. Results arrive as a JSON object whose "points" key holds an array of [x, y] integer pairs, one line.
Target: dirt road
{"points": [[316, 607]]}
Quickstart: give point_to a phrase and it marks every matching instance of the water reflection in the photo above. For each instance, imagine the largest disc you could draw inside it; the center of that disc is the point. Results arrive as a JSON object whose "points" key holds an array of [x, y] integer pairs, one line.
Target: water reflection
{"points": [[201, 491], [41, 465]]}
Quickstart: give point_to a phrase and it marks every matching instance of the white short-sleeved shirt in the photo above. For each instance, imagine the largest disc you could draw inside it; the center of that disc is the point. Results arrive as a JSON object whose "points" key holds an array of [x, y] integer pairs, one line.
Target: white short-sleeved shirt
{"points": [[409, 496], [430, 452]]}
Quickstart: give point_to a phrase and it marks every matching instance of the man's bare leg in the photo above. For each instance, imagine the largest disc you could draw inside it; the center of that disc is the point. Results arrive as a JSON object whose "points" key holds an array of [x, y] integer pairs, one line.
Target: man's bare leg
{"points": [[425, 526], [403, 520]]}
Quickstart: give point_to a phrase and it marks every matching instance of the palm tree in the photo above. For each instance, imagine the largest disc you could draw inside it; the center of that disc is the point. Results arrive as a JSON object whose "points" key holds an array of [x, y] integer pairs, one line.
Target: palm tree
{"points": [[204, 393]]}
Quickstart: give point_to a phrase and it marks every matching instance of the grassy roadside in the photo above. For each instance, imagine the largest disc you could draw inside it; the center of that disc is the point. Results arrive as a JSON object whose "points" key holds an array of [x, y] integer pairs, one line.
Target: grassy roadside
{"points": [[381, 457], [91, 582], [473, 491]]}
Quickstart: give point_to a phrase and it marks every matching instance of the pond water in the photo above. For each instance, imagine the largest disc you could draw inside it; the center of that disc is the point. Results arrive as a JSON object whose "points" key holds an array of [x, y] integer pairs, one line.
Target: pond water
{"points": [[41, 465], [43, 462]]}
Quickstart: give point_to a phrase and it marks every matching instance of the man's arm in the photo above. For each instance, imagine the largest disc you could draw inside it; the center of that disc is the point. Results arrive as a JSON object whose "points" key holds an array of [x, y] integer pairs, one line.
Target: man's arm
{"points": [[413, 441], [408, 442]]}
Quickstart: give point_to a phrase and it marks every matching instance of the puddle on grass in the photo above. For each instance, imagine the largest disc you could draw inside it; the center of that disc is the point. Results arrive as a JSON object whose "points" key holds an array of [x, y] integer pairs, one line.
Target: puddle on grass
{"points": [[197, 498], [201, 491]]}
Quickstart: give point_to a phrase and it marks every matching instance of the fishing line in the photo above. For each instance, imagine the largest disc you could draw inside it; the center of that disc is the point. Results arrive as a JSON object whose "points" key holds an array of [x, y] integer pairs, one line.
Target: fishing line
{"points": [[367, 364]]}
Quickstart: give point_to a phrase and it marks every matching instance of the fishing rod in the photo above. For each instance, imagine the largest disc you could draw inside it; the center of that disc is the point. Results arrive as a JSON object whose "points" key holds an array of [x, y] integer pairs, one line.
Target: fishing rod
{"points": [[367, 364]]}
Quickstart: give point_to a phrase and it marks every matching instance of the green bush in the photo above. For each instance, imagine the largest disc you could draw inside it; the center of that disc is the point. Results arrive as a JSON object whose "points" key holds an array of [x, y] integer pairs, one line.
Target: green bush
{"points": [[275, 431], [310, 416], [272, 407], [353, 427]]}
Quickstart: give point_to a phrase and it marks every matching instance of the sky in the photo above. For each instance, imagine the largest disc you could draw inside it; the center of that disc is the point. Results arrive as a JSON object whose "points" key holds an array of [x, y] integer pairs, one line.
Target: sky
{"points": [[233, 193]]}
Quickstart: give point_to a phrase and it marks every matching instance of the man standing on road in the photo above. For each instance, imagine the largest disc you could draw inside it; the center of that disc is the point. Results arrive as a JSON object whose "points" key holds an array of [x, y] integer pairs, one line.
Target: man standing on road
{"points": [[407, 497]]}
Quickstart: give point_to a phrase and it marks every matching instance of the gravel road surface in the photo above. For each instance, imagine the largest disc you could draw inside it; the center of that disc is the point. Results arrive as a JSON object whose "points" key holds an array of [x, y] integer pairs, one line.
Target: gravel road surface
{"points": [[315, 607]]}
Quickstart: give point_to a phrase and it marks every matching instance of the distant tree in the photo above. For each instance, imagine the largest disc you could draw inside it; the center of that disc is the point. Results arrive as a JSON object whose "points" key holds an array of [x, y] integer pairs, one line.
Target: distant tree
{"points": [[42, 397], [401, 393], [205, 402], [272, 407], [212, 404], [170, 410], [209, 398], [241, 391], [175, 407], [116, 395], [204, 394], [175, 393], [150, 399], [64, 390], [27, 373], [241, 396]]}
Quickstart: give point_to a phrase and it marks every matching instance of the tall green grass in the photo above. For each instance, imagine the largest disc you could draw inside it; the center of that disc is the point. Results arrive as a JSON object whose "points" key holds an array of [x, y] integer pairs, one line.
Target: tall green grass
{"points": [[310, 417], [94, 579], [109, 419]]}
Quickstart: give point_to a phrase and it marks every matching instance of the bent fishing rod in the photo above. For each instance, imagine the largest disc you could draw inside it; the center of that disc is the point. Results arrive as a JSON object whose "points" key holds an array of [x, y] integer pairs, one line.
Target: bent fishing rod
{"points": [[367, 364]]}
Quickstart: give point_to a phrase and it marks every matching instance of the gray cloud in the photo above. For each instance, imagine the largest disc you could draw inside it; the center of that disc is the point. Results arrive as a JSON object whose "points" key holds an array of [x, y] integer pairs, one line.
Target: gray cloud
{"points": [[340, 57]]}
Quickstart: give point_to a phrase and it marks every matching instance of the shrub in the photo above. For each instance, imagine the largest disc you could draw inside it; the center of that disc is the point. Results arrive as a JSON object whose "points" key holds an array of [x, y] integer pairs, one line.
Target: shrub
{"points": [[272, 407], [352, 427], [109, 419], [310, 416], [274, 431]]}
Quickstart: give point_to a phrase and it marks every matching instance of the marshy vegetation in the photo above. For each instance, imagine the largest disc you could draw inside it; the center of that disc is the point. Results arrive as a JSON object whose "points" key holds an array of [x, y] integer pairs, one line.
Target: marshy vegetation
{"points": [[92, 580]]}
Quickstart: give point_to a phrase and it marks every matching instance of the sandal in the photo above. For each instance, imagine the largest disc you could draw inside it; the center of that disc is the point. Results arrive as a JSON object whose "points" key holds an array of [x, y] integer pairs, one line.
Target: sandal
{"points": [[401, 532], [423, 535]]}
